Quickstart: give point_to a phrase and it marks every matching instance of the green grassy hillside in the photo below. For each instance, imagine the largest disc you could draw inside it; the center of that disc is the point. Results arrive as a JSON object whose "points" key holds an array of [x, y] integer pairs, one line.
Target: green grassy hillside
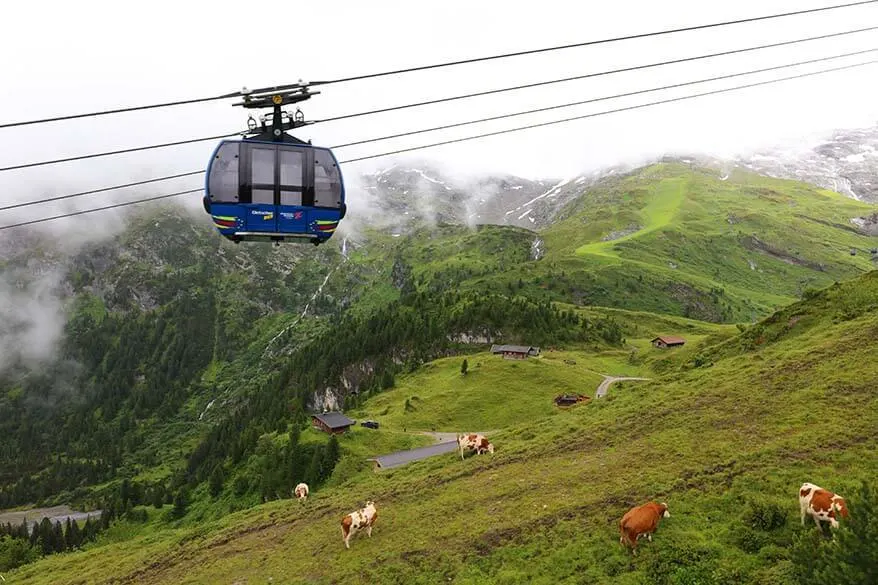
{"points": [[670, 239], [666, 238], [726, 445]]}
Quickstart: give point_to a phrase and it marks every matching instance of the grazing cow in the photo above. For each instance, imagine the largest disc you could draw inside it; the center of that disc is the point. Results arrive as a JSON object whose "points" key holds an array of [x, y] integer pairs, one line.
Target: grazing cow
{"points": [[301, 492], [473, 442], [362, 519], [821, 504], [641, 521]]}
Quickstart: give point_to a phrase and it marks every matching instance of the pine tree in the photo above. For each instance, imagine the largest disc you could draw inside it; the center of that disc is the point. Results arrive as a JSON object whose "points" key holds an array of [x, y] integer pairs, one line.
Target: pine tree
{"points": [[464, 367], [73, 536], [330, 458], [312, 474], [158, 496], [181, 502], [68, 535], [216, 480], [34, 535], [88, 531], [46, 536], [58, 537], [125, 492]]}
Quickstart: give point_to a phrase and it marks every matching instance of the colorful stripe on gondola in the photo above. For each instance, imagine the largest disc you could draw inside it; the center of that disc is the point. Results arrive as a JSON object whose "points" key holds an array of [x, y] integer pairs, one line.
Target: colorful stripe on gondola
{"points": [[325, 226], [225, 221]]}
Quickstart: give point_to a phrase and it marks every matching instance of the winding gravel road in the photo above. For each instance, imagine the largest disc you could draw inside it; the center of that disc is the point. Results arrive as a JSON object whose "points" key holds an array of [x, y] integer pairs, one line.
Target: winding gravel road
{"points": [[447, 442], [602, 389]]}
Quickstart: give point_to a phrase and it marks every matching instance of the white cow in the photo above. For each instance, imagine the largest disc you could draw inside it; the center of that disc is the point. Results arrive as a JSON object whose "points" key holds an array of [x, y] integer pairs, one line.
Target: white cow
{"points": [[362, 519], [473, 442], [301, 492]]}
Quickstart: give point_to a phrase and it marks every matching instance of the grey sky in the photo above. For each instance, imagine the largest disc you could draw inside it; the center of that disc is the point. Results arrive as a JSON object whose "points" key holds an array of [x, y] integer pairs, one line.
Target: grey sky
{"points": [[65, 57]]}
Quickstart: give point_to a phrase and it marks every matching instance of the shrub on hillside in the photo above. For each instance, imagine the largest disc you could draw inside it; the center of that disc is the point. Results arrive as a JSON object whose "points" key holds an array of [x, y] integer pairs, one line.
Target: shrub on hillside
{"points": [[679, 563], [749, 540], [15, 552], [764, 515]]}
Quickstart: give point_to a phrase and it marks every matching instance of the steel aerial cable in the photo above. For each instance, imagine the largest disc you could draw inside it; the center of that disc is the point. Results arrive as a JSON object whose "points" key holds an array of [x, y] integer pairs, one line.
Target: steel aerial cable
{"points": [[121, 110], [469, 122], [439, 65], [115, 152], [592, 75], [96, 209], [603, 98], [101, 190], [607, 112], [454, 98], [467, 138], [575, 45]]}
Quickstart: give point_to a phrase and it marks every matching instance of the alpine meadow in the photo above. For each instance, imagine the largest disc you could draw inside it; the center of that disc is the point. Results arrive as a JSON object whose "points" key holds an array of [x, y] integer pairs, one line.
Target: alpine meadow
{"points": [[188, 369]]}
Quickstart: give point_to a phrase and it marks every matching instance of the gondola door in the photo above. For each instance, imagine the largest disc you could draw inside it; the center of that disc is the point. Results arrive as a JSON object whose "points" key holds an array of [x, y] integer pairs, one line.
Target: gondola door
{"points": [[259, 187], [295, 188]]}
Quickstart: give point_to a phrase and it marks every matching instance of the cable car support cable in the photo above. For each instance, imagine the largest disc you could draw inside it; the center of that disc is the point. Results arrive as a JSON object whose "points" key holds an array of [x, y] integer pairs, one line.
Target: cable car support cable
{"points": [[448, 99], [464, 139], [437, 65], [607, 112], [471, 122]]}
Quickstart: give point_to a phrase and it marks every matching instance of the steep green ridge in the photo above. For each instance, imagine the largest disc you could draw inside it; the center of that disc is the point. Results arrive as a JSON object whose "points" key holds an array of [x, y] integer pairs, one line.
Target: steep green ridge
{"points": [[749, 242], [726, 444]]}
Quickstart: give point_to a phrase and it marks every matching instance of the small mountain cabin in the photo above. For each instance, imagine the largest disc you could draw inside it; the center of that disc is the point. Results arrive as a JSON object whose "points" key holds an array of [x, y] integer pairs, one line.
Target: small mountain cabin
{"points": [[570, 399], [515, 352], [334, 423], [666, 341]]}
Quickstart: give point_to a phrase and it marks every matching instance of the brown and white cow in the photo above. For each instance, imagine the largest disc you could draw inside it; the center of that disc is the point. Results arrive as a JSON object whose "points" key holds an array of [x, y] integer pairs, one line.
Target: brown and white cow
{"points": [[641, 521], [821, 504], [473, 442], [362, 519], [301, 492]]}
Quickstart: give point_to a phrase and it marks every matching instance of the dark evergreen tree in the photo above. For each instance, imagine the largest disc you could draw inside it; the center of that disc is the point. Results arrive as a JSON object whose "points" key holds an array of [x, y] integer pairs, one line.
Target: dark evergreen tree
{"points": [[181, 503], [73, 536], [158, 496], [68, 535], [464, 367], [312, 474], [124, 492], [58, 537], [216, 480], [331, 455], [88, 531], [46, 536]]}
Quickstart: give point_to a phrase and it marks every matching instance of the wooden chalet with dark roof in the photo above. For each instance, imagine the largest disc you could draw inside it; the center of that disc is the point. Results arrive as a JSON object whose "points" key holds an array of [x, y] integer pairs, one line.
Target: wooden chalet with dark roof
{"points": [[334, 423], [515, 352], [666, 341]]}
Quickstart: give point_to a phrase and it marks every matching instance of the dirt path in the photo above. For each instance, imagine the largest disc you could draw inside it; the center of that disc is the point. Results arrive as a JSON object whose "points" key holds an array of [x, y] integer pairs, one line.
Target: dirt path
{"points": [[602, 389], [445, 443], [441, 437]]}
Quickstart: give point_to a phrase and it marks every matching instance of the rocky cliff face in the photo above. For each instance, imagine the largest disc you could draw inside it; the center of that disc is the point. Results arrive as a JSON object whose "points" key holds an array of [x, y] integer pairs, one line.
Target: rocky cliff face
{"points": [[847, 163]]}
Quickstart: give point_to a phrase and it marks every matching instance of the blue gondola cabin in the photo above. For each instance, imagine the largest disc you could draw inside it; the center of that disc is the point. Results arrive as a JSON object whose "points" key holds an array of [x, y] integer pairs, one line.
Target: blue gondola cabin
{"points": [[274, 191]]}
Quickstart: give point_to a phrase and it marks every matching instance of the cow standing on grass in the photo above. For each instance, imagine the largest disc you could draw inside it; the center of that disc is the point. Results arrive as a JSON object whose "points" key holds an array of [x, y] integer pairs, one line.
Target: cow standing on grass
{"points": [[362, 519], [821, 504], [473, 442], [301, 492], [641, 521]]}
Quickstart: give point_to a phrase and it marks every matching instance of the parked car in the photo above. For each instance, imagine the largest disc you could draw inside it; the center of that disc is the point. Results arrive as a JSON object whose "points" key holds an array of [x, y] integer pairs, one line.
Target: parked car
{"points": [[370, 424]]}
